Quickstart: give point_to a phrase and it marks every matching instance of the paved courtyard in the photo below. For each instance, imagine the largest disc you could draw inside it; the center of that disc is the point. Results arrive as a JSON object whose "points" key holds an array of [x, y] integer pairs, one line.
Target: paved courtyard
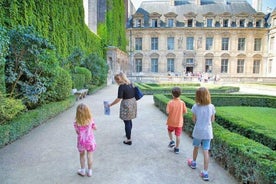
{"points": [[48, 153]]}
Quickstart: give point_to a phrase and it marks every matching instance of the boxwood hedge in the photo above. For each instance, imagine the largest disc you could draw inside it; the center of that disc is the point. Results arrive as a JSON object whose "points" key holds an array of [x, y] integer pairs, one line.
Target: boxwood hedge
{"points": [[246, 159], [22, 124], [241, 126]]}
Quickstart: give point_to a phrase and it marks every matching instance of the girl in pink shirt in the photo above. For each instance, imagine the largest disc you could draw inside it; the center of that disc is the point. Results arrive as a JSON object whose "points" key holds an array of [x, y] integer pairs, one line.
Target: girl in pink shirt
{"points": [[84, 126]]}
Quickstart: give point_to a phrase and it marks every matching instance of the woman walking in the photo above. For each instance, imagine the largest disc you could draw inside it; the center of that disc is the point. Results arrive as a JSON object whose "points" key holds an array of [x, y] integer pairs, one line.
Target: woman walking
{"points": [[128, 106]]}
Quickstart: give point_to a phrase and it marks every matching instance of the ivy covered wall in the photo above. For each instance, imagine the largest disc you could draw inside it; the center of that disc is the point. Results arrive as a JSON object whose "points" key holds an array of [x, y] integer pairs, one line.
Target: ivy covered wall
{"points": [[62, 22], [113, 31]]}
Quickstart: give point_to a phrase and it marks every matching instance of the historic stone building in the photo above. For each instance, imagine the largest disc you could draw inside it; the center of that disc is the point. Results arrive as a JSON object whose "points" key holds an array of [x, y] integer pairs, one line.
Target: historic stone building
{"points": [[187, 37]]}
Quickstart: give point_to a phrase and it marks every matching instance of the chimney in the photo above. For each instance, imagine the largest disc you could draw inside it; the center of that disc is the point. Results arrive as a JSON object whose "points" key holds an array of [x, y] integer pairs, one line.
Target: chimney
{"points": [[197, 2], [257, 5], [172, 3]]}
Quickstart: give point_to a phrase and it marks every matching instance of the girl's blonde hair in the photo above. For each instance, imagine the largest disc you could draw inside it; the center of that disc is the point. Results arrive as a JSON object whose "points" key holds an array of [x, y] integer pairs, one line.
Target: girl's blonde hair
{"points": [[121, 78], [203, 96], [83, 115]]}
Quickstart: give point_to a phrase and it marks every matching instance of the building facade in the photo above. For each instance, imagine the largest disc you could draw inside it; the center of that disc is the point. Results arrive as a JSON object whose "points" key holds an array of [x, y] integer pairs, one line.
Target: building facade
{"points": [[189, 37], [272, 44]]}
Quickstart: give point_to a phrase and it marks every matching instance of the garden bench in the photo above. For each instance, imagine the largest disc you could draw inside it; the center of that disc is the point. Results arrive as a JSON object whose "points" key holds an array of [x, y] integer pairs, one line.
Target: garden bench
{"points": [[81, 93]]}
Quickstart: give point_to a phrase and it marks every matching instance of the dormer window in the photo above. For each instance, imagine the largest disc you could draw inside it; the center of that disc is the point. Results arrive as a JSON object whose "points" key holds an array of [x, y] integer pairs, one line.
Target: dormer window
{"points": [[138, 20], [258, 23], [242, 23], [190, 22], [217, 24], [209, 22], [154, 23], [138, 23], [225, 22], [170, 22]]}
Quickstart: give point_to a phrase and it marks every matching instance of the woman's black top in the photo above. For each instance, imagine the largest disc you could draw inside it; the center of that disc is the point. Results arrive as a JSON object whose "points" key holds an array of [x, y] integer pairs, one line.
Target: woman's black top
{"points": [[126, 91]]}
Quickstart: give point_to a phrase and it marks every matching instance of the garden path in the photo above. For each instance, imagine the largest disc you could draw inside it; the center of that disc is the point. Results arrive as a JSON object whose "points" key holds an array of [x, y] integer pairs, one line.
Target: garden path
{"points": [[48, 154]]}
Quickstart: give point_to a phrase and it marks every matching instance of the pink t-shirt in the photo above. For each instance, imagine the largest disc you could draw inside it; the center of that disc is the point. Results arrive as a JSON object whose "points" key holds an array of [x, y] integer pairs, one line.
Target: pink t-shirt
{"points": [[85, 140]]}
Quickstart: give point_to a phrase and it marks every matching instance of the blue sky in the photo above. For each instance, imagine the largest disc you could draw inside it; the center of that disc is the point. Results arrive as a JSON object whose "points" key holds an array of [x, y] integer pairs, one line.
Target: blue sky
{"points": [[266, 3]]}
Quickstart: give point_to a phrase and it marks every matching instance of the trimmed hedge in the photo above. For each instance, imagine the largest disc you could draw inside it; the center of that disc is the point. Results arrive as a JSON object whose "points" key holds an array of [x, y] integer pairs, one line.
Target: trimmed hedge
{"points": [[187, 88], [245, 159], [244, 100], [239, 126], [246, 128], [239, 100], [24, 123]]}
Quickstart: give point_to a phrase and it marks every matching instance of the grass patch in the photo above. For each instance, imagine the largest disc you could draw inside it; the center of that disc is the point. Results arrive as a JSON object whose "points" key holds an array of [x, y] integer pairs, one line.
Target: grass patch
{"points": [[265, 117], [260, 119]]}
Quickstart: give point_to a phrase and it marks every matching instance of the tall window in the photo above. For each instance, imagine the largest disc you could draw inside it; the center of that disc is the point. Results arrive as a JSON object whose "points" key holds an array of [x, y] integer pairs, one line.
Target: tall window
{"points": [[224, 43], [240, 66], [209, 43], [241, 44], [270, 66], [170, 22], [190, 43], [208, 65], [224, 66], [138, 43], [256, 66], [209, 22], [272, 40], [138, 65], [242, 23], [257, 44], [154, 65], [190, 22], [225, 22], [170, 43], [154, 23], [170, 65], [154, 43]]}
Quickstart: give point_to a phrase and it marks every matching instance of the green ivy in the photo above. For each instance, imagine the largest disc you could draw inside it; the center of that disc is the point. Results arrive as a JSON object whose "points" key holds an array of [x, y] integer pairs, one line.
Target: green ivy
{"points": [[4, 41], [114, 34], [62, 22]]}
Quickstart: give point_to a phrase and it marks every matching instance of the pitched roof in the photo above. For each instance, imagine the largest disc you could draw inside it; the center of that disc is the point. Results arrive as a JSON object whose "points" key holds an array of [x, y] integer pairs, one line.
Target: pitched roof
{"points": [[215, 6]]}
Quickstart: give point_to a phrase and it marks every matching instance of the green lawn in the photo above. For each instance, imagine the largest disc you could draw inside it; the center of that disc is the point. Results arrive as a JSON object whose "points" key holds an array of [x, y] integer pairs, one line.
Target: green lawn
{"points": [[262, 119]]}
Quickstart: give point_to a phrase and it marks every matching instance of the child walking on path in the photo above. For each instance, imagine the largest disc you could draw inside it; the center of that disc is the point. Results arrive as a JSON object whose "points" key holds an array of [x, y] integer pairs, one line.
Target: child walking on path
{"points": [[176, 108], [203, 116], [84, 126]]}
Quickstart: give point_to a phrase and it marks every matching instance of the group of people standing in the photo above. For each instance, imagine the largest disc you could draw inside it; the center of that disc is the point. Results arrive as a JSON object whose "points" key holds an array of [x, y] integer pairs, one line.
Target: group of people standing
{"points": [[203, 116]]}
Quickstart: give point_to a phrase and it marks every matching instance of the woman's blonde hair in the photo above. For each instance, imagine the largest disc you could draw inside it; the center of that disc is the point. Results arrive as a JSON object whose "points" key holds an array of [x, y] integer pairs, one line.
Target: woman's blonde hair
{"points": [[121, 78], [203, 96], [83, 115]]}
